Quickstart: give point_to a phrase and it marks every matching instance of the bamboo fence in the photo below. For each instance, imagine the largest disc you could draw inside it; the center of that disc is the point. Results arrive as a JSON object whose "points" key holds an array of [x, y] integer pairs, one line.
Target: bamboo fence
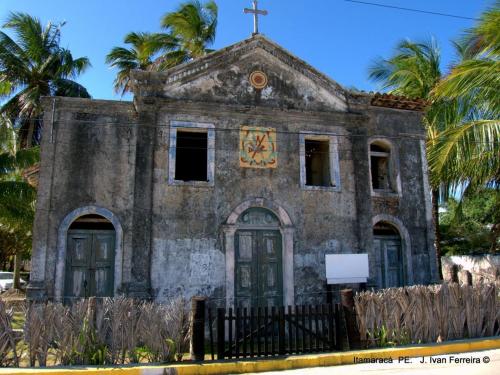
{"points": [[424, 314], [96, 331]]}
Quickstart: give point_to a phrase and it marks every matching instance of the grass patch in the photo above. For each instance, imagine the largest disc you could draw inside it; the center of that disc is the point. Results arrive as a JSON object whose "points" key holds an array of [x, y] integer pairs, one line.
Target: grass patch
{"points": [[18, 320]]}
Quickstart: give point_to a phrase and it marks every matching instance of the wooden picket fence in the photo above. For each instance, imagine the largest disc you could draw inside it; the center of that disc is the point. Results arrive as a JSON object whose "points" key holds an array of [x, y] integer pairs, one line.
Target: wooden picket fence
{"points": [[269, 331]]}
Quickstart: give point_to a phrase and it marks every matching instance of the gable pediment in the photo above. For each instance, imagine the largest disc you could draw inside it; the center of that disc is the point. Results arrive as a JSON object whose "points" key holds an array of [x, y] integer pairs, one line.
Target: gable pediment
{"points": [[223, 77]]}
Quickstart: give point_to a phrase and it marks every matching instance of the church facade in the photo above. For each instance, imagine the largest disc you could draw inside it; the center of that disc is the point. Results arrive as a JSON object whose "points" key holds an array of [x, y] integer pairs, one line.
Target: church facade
{"points": [[231, 177]]}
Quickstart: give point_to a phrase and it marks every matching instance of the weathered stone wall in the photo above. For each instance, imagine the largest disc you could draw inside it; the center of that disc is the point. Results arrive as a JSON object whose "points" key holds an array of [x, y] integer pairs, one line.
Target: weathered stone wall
{"points": [[482, 268], [87, 159], [115, 155], [323, 220]]}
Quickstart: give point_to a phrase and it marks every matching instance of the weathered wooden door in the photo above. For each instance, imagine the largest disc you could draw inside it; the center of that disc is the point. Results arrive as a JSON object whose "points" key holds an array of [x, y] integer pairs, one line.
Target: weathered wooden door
{"points": [[90, 263], [389, 248], [258, 268]]}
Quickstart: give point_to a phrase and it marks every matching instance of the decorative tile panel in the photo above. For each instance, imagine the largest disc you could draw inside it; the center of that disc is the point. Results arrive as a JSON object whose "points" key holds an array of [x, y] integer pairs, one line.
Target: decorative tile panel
{"points": [[258, 147]]}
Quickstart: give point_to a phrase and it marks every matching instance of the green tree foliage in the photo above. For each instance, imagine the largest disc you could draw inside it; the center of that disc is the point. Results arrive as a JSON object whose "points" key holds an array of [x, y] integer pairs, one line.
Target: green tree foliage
{"points": [[32, 65], [193, 26], [472, 226], [17, 205], [467, 152], [189, 32], [462, 118], [144, 49]]}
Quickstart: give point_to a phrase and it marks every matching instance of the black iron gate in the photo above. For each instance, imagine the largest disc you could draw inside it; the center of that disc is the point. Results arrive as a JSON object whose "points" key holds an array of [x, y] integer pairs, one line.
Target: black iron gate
{"points": [[270, 331]]}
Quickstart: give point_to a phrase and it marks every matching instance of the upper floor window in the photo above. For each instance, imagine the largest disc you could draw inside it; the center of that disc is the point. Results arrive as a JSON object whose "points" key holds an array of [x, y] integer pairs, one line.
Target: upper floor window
{"points": [[319, 162], [191, 156], [383, 168]]}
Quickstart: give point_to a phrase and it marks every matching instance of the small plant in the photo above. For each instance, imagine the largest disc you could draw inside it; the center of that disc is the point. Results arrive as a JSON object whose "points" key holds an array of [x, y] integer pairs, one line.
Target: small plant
{"points": [[94, 351], [381, 337]]}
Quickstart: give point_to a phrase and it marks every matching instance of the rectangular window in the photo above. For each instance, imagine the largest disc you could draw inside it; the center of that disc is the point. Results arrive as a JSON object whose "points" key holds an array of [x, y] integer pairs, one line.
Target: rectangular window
{"points": [[379, 161], [380, 172], [191, 153], [319, 162], [191, 156]]}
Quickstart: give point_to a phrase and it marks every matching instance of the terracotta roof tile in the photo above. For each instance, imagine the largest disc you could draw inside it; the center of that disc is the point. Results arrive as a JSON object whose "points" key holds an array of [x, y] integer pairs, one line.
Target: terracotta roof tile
{"points": [[398, 102]]}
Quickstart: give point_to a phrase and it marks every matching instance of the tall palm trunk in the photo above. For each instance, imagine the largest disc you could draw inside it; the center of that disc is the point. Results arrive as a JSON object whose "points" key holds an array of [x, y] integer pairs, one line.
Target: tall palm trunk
{"points": [[17, 271], [31, 130], [437, 232]]}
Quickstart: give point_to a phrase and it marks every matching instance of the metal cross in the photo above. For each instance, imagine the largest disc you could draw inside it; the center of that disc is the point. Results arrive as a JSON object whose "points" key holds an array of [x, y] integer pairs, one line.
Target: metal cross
{"points": [[255, 11]]}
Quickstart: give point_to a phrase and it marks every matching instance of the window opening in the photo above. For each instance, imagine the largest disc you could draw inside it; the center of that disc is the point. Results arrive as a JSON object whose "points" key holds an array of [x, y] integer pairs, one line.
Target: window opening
{"points": [[379, 159], [317, 155], [191, 156]]}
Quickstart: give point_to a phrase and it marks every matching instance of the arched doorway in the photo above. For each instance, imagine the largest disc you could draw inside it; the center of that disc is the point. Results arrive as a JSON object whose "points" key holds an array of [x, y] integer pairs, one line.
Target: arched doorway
{"points": [[388, 246], [90, 257], [258, 271]]}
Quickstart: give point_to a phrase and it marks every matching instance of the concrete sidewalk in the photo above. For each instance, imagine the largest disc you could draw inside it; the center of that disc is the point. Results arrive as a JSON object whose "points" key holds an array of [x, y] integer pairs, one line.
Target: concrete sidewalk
{"points": [[275, 364]]}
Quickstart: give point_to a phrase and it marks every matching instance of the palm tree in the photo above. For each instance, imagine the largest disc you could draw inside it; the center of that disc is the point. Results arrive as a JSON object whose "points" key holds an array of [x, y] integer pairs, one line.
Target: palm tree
{"points": [[141, 55], [17, 201], [189, 32], [193, 27], [468, 152], [414, 71], [33, 65]]}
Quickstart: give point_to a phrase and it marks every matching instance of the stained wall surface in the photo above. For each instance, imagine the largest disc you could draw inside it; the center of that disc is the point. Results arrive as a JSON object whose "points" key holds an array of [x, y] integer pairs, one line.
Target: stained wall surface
{"points": [[177, 237]]}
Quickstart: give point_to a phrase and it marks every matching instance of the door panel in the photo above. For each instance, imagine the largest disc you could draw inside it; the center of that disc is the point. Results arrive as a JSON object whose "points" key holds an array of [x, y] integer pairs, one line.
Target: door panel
{"points": [[104, 244], [79, 253], [245, 268], [389, 248], [269, 263], [90, 263], [78, 287], [258, 275]]}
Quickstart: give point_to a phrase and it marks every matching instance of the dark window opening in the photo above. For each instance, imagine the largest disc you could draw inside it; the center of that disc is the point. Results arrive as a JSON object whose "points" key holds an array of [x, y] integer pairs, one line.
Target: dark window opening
{"points": [[380, 172], [191, 156], [379, 159], [377, 148], [91, 221], [317, 163], [384, 229]]}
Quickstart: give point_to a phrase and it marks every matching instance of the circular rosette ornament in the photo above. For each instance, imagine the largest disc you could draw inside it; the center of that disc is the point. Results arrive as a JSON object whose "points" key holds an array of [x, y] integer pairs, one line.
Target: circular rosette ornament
{"points": [[258, 79]]}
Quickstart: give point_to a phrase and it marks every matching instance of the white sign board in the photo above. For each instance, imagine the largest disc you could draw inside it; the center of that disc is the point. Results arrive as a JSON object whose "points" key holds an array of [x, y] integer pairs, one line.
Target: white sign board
{"points": [[346, 268]]}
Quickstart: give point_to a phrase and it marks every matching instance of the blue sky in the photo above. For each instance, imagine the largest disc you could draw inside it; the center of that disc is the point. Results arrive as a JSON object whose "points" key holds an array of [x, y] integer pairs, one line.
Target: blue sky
{"points": [[337, 37]]}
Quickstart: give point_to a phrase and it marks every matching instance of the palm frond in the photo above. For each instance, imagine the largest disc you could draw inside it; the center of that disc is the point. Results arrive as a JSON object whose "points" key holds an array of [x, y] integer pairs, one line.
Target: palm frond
{"points": [[17, 203], [478, 77], [467, 154], [25, 158], [32, 65], [484, 38], [193, 25], [412, 71], [69, 88]]}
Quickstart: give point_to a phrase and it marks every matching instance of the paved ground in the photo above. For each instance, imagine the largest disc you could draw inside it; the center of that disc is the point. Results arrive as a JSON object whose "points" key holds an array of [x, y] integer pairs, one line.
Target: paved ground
{"points": [[451, 364]]}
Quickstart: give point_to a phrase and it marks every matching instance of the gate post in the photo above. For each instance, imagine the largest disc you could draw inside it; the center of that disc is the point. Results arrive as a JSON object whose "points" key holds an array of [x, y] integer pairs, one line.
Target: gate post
{"points": [[198, 328], [221, 334], [347, 298]]}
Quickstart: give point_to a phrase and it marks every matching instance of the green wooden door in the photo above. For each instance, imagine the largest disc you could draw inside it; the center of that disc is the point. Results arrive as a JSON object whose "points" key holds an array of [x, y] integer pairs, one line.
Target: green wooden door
{"points": [[90, 263], [258, 268], [389, 248]]}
